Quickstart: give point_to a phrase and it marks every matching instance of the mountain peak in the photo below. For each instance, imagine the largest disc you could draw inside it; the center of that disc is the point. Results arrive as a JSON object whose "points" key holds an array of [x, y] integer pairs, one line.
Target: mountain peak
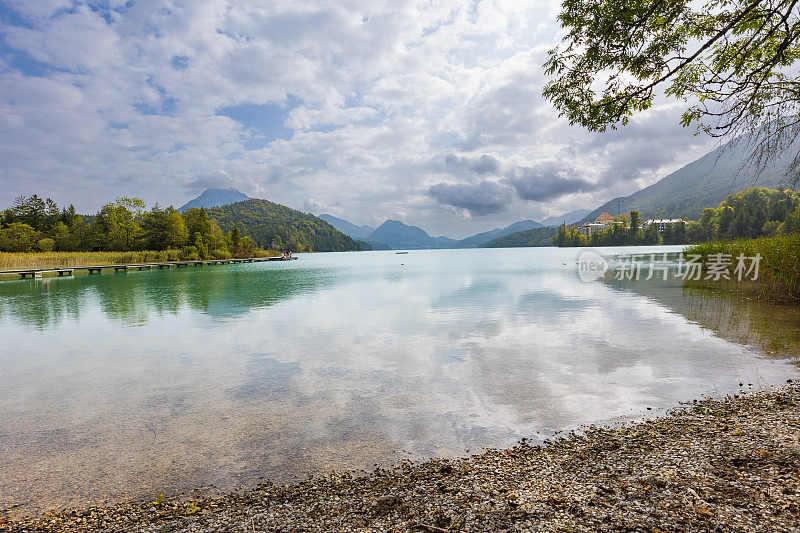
{"points": [[705, 182], [398, 235], [348, 228], [390, 223], [215, 197]]}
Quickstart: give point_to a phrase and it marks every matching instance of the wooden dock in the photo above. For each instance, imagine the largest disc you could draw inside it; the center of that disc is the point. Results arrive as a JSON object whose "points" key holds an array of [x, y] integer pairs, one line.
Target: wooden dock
{"points": [[98, 269]]}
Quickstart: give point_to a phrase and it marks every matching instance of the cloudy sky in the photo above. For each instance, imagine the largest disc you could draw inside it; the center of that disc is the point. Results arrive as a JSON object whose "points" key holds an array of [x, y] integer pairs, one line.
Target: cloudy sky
{"points": [[424, 111]]}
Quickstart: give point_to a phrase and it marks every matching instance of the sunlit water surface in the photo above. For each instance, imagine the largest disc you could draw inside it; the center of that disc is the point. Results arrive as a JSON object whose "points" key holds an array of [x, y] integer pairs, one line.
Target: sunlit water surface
{"points": [[123, 385]]}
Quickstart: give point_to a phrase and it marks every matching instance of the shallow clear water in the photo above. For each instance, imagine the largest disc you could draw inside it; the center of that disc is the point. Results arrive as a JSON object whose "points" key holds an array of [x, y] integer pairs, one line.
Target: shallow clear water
{"points": [[125, 385]]}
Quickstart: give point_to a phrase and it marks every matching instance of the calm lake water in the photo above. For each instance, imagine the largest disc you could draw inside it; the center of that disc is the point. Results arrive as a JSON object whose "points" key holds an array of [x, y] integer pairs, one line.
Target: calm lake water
{"points": [[125, 385]]}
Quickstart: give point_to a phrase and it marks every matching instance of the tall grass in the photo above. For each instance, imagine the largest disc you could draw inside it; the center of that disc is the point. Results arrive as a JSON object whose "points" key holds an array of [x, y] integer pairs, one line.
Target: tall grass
{"points": [[779, 272], [14, 261], [11, 261]]}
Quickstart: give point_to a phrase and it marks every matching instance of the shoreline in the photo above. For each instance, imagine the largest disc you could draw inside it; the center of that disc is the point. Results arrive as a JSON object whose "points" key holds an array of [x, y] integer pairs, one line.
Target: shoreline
{"points": [[12, 261], [730, 463]]}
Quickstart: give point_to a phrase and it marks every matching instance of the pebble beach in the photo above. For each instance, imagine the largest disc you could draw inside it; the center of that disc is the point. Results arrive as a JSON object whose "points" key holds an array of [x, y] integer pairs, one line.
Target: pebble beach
{"points": [[730, 464]]}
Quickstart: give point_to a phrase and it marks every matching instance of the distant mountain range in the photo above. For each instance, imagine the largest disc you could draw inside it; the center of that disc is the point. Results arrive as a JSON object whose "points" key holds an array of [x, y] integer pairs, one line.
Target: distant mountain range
{"points": [[480, 239], [215, 198], [684, 193], [567, 218], [394, 234], [398, 235], [700, 184], [348, 228]]}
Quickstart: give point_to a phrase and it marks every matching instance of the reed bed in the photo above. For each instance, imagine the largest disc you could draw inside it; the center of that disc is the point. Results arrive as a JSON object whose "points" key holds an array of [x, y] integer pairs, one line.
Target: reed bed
{"points": [[13, 261], [779, 273]]}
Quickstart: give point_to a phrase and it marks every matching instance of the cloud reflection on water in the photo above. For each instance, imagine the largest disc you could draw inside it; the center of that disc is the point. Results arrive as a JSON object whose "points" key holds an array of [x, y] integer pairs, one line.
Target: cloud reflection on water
{"points": [[340, 360]]}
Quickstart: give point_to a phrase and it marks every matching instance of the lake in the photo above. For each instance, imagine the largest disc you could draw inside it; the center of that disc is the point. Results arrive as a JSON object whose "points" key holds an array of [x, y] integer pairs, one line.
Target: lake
{"points": [[125, 385]]}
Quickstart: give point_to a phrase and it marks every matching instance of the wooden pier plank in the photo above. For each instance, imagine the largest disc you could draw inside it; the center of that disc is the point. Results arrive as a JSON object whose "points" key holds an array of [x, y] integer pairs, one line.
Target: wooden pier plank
{"points": [[98, 269]]}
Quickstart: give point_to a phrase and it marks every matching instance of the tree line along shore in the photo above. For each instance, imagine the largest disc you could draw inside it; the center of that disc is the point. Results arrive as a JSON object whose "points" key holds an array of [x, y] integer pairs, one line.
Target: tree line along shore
{"points": [[122, 230], [244, 229], [756, 221], [749, 214]]}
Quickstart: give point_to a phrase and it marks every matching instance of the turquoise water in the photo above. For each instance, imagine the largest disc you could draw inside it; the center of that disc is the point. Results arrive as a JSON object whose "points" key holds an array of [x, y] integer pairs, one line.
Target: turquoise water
{"points": [[126, 385]]}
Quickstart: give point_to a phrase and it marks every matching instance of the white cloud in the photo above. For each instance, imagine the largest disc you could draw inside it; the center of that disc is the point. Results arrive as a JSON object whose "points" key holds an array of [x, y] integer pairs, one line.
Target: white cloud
{"points": [[385, 99]]}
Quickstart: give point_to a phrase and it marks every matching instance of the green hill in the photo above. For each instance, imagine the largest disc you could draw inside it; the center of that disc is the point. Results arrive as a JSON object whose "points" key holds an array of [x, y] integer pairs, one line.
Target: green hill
{"points": [[703, 183], [481, 239], [531, 237], [276, 226]]}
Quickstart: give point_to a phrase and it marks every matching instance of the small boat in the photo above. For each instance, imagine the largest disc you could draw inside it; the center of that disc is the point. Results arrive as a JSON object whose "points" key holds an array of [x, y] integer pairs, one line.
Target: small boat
{"points": [[401, 253]]}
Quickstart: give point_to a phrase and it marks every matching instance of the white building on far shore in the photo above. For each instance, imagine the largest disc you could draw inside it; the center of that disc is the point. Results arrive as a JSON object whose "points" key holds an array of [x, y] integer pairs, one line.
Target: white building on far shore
{"points": [[602, 222], [662, 223]]}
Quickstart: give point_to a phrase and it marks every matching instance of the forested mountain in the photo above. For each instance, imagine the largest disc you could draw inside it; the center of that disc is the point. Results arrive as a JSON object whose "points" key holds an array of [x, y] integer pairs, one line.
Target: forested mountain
{"points": [[373, 246], [703, 183], [398, 235], [567, 218], [531, 237], [215, 198], [482, 238], [279, 227], [348, 228]]}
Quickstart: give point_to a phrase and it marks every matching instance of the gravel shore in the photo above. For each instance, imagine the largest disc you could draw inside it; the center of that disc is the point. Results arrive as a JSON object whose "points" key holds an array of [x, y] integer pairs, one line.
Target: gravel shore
{"points": [[711, 465]]}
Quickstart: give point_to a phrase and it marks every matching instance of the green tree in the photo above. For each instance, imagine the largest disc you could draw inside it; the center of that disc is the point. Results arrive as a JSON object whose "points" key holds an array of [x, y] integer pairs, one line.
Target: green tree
{"points": [[200, 245], [633, 230], [116, 227], [235, 237], [651, 235], [724, 220], [29, 210], [155, 228], [679, 233], [197, 221], [17, 237], [668, 235], [792, 222], [46, 245], [68, 215], [62, 239], [177, 233], [132, 204], [770, 228], [81, 235], [560, 238], [736, 59], [247, 247]]}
